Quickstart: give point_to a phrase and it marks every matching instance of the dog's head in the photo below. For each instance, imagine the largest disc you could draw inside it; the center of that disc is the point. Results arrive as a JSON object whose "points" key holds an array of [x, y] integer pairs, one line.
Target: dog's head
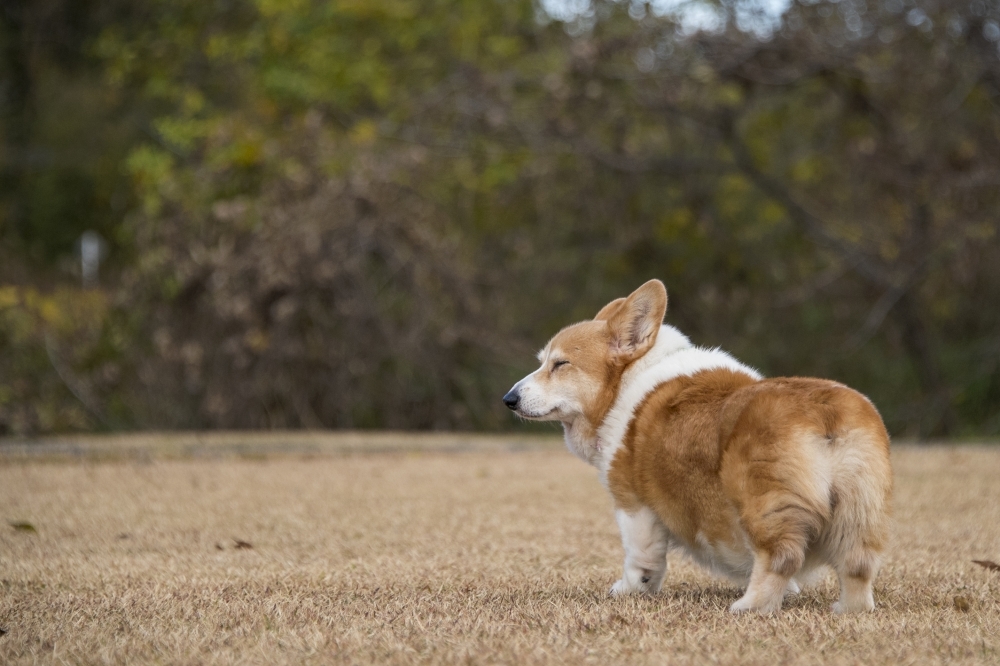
{"points": [[582, 365]]}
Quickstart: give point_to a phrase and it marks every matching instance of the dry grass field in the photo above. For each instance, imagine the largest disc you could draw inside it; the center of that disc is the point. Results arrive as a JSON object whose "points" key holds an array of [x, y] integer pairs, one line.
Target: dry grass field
{"points": [[486, 556]]}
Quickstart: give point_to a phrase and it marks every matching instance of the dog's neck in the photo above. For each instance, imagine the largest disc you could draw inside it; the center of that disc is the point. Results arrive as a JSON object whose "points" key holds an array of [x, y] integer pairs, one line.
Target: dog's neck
{"points": [[672, 356], [582, 437]]}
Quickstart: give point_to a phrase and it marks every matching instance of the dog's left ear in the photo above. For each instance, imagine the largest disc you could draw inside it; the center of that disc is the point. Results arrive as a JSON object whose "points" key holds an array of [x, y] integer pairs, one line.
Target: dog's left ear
{"points": [[636, 321]]}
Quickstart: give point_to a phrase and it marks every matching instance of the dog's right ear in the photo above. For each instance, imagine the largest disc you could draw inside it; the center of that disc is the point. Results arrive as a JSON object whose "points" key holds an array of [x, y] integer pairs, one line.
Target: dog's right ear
{"points": [[635, 322], [610, 309]]}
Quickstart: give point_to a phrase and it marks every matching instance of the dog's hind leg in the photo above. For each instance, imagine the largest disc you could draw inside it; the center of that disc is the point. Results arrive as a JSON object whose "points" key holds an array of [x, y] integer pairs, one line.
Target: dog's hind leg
{"points": [[780, 534], [856, 585], [859, 523], [646, 540], [854, 544], [766, 590]]}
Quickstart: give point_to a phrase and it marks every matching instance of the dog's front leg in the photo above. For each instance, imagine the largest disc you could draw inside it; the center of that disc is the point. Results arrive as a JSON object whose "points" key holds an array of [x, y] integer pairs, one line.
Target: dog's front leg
{"points": [[646, 540]]}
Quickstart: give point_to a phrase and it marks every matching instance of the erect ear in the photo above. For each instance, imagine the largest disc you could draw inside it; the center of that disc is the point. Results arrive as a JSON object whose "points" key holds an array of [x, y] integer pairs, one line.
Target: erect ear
{"points": [[609, 309], [636, 322]]}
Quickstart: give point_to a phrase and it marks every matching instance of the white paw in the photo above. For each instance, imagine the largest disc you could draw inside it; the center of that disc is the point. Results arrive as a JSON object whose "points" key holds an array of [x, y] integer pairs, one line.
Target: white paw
{"points": [[741, 606], [839, 607], [744, 605], [793, 588]]}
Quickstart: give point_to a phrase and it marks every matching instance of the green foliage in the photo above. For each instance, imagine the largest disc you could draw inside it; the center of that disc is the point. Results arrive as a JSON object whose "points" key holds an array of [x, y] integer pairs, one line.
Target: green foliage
{"points": [[367, 214], [54, 338]]}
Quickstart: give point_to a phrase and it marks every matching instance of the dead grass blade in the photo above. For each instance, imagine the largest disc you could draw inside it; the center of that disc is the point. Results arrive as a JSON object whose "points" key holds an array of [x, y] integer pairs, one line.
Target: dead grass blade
{"points": [[987, 564], [484, 558]]}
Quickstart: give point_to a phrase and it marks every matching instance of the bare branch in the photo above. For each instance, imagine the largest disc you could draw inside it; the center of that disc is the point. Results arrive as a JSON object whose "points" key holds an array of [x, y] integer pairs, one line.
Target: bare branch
{"points": [[813, 227]]}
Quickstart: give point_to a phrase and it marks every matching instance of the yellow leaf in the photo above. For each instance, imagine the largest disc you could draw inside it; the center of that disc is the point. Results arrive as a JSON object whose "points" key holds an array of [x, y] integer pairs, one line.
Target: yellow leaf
{"points": [[364, 132], [9, 297]]}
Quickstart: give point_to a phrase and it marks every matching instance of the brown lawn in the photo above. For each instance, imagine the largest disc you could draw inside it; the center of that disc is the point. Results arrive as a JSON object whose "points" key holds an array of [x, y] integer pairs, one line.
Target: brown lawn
{"points": [[476, 557]]}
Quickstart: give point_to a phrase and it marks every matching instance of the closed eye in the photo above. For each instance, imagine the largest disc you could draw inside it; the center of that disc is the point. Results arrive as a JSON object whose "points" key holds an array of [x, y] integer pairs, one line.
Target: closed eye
{"points": [[558, 364]]}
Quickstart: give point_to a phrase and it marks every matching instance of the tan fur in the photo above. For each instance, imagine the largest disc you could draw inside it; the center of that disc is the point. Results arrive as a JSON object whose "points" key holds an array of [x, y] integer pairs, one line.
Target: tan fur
{"points": [[801, 464], [762, 477]]}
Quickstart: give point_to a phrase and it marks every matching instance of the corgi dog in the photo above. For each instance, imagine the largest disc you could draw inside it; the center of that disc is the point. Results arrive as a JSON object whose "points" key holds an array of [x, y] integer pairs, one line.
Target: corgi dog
{"points": [[760, 480]]}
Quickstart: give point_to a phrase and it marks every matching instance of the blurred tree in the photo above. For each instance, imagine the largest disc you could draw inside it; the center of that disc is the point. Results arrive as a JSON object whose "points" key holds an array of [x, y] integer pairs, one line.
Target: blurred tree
{"points": [[366, 214], [832, 131], [50, 189]]}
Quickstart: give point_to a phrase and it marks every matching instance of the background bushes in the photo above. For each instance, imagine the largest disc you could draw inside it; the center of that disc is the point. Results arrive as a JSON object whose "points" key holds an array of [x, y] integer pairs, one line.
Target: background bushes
{"points": [[339, 214]]}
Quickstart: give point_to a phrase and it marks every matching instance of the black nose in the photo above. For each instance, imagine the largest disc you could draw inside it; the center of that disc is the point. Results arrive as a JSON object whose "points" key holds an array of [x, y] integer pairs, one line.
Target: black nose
{"points": [[511, 399]]}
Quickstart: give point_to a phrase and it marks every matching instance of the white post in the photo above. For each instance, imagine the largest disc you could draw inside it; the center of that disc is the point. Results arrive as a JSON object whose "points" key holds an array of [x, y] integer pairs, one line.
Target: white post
{"points": [[92, 250]]}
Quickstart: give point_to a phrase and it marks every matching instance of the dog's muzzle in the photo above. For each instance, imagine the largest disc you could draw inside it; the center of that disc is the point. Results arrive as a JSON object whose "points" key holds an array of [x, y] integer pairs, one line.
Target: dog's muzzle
{"points": [[512, 399]]}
